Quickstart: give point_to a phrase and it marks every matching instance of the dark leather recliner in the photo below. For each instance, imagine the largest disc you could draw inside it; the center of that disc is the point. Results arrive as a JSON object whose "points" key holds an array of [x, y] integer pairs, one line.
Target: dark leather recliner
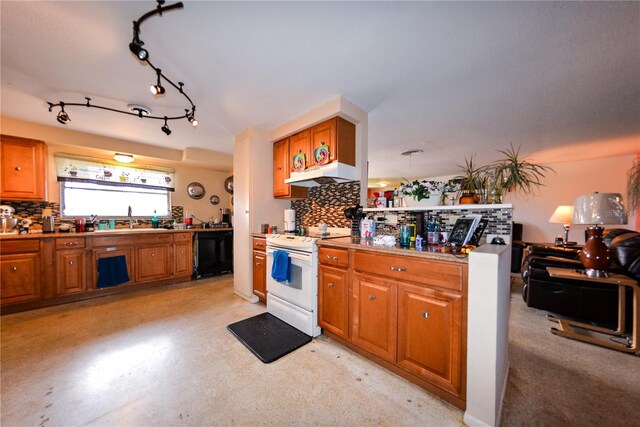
{"points": [[588, 301]]}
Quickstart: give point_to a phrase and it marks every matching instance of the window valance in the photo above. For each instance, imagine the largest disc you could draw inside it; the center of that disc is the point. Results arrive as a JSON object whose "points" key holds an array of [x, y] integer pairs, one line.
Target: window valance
{"points": [[90, 169]]}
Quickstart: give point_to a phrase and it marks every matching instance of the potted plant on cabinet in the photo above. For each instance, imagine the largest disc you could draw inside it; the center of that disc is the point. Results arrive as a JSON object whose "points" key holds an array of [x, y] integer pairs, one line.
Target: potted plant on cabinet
{"points": [[471, 181], [421, 193], [513, 173]]}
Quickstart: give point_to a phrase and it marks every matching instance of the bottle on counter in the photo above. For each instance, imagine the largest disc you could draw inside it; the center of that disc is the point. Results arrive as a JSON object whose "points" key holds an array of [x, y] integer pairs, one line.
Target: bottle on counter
{"points": [[154, 220]]}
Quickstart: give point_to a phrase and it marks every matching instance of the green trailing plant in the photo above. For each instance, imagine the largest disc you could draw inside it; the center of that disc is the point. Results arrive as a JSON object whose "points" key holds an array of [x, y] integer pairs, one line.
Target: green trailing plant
{"points": [[515, 173], [633, 186]]}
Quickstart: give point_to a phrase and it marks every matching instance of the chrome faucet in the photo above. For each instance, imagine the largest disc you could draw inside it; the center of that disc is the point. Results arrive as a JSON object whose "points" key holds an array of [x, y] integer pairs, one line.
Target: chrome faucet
{"points": [[130, 217]]}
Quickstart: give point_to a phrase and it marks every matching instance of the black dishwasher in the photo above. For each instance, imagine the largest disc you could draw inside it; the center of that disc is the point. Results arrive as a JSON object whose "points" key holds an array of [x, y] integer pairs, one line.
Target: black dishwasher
{"points": [[214, 253]]}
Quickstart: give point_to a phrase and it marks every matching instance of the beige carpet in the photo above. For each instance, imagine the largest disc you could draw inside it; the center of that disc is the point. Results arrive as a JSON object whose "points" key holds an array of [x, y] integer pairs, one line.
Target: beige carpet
{"points": [[163, 357]]}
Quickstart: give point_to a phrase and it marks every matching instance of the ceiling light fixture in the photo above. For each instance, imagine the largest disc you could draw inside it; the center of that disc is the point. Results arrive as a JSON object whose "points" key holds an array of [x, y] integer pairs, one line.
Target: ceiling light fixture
{"points": [[412, 152], [157, 89], [123, 158], [165, 128], [141, 54], [140, 110]]}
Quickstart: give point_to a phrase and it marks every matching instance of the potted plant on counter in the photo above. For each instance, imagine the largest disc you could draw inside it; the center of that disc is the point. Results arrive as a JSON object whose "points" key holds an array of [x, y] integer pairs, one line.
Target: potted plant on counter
{"points": [[421, 193]]}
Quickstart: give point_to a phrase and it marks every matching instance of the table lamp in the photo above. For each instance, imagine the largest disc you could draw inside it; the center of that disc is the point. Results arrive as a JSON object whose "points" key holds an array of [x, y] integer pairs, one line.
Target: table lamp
{"points": [[562, 215], [597, 209]]}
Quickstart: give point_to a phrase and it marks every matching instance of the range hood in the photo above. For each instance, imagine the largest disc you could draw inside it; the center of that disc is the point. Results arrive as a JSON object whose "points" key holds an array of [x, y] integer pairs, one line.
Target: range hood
{"points": [[326, 174]]}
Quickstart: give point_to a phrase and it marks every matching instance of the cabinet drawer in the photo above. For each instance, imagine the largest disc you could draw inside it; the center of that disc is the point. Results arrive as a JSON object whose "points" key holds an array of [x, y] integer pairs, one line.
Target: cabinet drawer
{"points": [[70, 243], [182, 237], [429, 272], [259, 244], [19, 246], [334, 257]]}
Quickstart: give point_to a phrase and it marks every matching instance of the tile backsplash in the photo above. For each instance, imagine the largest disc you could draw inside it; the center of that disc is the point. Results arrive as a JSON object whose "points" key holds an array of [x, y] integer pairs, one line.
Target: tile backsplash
{"points": [[326, 203], [34, 211]]}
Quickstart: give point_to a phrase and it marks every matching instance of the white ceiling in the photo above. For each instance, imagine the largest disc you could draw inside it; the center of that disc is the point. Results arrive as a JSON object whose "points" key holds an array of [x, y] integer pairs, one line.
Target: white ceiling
{"points": [[562, 80]]}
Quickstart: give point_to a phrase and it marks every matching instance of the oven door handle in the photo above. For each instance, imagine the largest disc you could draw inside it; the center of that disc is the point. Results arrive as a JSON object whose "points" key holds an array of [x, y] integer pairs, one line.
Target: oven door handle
{"points": [[294, 255]]}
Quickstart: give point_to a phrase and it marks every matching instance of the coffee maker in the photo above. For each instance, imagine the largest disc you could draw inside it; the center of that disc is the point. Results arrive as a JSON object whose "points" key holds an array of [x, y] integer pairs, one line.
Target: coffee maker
{"points": [[226, 218], [289, 220]]}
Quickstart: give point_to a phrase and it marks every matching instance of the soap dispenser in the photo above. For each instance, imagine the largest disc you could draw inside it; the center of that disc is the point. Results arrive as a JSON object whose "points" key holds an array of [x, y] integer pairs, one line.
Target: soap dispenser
{"points": [[154, 220]]}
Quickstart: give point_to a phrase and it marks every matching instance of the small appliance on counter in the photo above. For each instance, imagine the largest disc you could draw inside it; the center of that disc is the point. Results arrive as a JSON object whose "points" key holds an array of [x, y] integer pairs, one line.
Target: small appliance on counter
{"points": [[289, 220], [7, 222], [48, 224], [225, 213]]}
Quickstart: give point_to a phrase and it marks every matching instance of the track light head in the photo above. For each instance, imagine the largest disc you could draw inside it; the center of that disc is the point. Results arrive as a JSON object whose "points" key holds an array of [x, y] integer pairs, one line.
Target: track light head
{"points": [[165, 128], [191, 118], [157, 89], [136, 48], [63, 117]]}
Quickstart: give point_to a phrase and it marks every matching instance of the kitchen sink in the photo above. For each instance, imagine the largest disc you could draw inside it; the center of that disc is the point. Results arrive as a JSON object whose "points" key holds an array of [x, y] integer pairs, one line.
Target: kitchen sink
{"points": [[129, 230]]}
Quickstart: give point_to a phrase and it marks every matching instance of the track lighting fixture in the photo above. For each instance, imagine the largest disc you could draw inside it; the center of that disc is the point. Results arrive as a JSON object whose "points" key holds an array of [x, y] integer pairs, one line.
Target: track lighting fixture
{"points": [[165, 128], [136, 47], [63, 117], [157, 89]]}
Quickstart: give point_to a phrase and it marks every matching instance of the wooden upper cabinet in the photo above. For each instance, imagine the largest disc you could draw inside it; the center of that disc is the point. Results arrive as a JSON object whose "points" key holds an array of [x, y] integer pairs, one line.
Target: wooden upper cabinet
{"points": [[23, 169], [300, 143], [281, 162], [339, 135], [280, 168]]}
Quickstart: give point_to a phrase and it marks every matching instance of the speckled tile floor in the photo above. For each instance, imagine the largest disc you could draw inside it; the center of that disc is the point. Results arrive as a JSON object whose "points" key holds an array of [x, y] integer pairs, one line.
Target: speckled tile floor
{"points": [[163, 357]]}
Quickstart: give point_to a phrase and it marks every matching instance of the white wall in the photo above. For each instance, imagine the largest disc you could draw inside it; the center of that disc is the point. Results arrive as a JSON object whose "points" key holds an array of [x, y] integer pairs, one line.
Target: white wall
{"points": [[606, 175]]}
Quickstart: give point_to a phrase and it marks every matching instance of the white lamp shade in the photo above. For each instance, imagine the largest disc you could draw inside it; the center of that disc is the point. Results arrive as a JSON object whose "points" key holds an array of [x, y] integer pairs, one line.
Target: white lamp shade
{"points": [[599, 208], [123, 158], [562, 215]]}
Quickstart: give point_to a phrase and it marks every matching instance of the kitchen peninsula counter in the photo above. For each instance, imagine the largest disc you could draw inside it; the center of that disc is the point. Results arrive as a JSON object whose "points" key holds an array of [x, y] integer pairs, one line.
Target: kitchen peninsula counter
{"points": [[428, 252]]}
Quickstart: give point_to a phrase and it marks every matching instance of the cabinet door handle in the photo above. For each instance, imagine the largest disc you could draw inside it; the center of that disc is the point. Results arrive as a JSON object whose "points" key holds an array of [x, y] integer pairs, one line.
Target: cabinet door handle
{"points": [[334, 258], [71, 244], [425, 314], [400, 269], [70, 262], [153, 254], [258, 244], [257, 263], [14, 269], [330, 285], [18, 168], [182, 251], [372, 297]]}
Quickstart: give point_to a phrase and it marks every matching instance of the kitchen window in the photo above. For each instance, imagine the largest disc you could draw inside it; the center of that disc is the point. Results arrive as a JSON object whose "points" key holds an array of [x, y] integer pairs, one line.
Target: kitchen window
{"points": [[108, 200], [91, 186]]}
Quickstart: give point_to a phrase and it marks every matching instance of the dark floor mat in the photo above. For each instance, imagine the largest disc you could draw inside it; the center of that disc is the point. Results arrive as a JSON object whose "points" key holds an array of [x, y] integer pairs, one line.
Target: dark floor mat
{"points": [[268, 337]]}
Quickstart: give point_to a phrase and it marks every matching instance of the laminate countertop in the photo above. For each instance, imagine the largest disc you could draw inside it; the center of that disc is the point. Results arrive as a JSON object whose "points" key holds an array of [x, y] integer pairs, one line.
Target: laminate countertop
{"points": [[103, 233], [428, 252]]}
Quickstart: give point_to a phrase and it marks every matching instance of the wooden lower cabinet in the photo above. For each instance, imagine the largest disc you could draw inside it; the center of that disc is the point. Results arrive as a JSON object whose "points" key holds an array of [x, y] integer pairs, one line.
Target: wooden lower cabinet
{"points": [[406, 313], [125, 250], [182, 259], [430, 335], [71, 271], [333, 300], [260, 275], [374, 315], [152, 263], [20, 277]]}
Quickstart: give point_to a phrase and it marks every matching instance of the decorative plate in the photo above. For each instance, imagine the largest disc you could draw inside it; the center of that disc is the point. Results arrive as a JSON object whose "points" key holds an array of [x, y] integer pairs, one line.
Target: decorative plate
{"points": [[195, 190], [214, 200], [321, 154], [228, 185], [299, 162]]}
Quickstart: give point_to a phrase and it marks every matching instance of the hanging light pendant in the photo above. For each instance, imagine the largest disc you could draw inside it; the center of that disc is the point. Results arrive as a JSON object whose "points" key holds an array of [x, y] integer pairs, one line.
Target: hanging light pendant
{"points": [[165, 128], [63, 117]]}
